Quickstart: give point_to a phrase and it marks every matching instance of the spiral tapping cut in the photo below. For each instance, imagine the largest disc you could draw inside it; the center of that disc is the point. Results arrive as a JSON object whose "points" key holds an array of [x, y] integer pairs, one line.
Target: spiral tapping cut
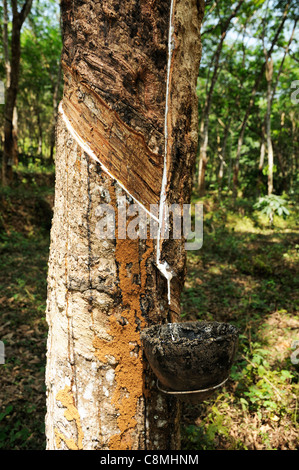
{"points": [[163, 266]]}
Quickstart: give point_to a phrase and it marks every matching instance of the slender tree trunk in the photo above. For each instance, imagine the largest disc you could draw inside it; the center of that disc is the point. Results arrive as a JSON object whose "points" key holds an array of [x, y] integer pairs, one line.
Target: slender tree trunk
{"points": [[14, 156], [269, 75], [204, 128], [270, 97], [222, 153], [261, 160], [293, 165], [7, 76], [40, 131], [10, 103], [55, 112], [15, 149], [262, 150], [5, 43], [251, 102], [122, 136], [281, 163], [10, 145]]}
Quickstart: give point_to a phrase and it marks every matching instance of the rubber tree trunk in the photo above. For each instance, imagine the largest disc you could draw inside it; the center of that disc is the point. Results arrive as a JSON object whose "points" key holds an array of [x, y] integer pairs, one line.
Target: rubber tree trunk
{"points": [[127, 87]]}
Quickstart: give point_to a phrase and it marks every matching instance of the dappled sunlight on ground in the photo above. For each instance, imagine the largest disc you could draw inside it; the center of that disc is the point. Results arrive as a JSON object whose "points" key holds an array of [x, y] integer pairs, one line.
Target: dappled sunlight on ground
{"points": [[246, 274]]}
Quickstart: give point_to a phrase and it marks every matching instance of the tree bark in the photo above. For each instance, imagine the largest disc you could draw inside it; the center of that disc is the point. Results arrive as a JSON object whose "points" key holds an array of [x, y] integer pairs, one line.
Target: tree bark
{"points": [[112, 149]]}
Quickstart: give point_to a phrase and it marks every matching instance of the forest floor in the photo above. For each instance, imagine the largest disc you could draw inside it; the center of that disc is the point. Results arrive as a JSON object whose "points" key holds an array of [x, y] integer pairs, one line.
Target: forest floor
{"points": [[244, 274], [247, 274]]}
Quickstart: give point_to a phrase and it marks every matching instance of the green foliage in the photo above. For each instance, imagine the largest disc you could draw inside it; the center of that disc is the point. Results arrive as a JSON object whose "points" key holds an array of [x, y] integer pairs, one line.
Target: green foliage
{"points": [[271, 205], [261, 388], [41, 46], [204, 437], [16, 433], [241, 61]]}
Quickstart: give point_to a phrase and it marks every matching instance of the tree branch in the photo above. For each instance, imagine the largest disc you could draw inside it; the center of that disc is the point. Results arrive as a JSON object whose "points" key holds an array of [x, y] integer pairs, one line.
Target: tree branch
{"points": [[25, 10], [14, 5]]}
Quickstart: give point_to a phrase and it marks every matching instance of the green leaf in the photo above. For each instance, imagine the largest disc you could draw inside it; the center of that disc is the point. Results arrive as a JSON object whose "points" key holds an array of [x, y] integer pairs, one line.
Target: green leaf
{"points": [[6, 412]]}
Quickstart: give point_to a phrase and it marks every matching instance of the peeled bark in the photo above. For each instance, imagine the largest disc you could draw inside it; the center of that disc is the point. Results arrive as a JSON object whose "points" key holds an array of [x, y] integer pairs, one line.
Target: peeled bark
{"points": [[110, 150]]}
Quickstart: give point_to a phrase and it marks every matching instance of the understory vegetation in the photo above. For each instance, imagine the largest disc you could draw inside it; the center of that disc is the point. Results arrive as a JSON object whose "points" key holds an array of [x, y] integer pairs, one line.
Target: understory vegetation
{"points": [[247, 274], [244, 274]]}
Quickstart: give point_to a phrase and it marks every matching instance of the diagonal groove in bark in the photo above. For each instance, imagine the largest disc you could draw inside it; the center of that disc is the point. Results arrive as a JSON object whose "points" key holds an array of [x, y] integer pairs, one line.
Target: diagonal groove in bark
{"points": [[118, 147]]}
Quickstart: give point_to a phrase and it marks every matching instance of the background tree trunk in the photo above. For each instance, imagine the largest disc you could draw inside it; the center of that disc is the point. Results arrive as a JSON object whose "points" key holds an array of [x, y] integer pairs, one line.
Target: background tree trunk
{"points": [[270, 98], [103, 292], [204, 127], [269, 75], [55, 112], [252, 100], [10, 155], [222, 153]]}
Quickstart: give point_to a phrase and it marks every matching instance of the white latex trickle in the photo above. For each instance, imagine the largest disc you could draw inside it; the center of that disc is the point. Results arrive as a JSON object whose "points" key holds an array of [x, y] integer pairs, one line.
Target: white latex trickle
{"points": [[163, 266]]}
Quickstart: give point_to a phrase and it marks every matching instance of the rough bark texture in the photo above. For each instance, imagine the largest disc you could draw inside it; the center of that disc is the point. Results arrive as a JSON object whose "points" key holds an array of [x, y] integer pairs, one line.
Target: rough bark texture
{"points": [[117, 145], [101, 393]]}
